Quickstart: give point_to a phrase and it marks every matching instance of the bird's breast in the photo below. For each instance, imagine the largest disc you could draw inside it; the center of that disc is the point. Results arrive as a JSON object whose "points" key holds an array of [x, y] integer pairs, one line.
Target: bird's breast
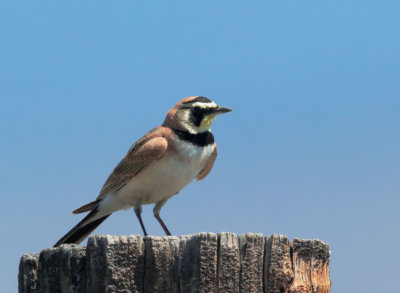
{"points": [[168, 175]]}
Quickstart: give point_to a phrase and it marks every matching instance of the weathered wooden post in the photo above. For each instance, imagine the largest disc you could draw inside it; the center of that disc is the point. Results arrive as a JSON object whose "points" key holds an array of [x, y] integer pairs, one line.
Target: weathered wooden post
{"points": [[203, 262]]}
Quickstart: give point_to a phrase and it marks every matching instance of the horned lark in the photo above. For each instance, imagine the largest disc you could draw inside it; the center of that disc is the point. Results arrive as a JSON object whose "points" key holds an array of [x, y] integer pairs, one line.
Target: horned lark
{"points": [[156, 167]]}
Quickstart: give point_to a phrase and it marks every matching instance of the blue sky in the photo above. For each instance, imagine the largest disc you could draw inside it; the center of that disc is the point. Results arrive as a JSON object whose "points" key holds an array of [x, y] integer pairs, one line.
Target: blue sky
{"points": [[311, 149]]}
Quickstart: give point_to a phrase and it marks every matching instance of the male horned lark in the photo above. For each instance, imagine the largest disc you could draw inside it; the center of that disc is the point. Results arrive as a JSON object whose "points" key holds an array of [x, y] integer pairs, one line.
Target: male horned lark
{"points": [[156, 167]]}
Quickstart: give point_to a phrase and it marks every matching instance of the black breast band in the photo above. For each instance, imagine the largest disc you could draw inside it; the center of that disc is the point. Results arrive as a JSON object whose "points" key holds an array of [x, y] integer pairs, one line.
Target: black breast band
{"points": [[199, 139]]}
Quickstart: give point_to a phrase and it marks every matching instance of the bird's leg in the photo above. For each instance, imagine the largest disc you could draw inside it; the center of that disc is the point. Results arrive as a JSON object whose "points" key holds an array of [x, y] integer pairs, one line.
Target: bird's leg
{"points": [[163, 225], [138, 212], [156, 212]]}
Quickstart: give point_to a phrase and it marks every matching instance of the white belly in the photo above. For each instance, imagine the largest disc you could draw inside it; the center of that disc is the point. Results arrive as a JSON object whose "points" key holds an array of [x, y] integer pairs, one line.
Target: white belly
{"points": [[167, 176]]}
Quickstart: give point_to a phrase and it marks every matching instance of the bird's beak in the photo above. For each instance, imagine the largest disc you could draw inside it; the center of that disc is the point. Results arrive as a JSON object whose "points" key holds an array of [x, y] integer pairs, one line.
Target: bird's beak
{"points": [[222, 110]]}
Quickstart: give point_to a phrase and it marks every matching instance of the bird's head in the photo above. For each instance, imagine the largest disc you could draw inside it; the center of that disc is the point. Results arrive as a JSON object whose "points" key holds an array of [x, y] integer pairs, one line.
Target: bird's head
{"points": [[194, 114]]}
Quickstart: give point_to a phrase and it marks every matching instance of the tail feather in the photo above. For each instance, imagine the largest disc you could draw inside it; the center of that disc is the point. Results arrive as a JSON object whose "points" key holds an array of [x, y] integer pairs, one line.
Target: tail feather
{"points": [[87, 207], [82, 229]]}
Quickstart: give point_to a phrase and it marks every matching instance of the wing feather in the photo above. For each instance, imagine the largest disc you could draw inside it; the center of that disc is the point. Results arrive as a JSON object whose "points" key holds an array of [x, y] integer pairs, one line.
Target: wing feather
{"points": [[149, 148], [208, 166]]}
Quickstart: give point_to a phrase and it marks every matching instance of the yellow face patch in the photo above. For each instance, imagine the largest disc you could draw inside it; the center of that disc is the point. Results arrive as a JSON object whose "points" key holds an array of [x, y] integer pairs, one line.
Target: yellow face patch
{"points": [[207, 122]]}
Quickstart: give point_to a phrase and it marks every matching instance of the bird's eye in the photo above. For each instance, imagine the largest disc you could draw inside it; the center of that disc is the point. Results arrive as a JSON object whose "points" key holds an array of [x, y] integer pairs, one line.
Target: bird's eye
{"points": [[197, 109]]}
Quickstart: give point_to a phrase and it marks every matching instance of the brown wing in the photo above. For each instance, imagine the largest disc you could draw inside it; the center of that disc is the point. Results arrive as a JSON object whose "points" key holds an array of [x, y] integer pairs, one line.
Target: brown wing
{"points": [[208, 166], [147, 149]]}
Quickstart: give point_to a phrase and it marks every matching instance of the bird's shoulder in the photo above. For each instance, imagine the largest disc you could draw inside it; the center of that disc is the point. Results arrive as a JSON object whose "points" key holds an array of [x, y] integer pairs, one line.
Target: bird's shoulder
{"points": [[153, 143]]}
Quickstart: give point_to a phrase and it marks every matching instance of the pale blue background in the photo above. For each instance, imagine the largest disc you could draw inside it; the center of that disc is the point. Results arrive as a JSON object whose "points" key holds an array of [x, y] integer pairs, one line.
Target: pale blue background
{"points": [[311, 149]]}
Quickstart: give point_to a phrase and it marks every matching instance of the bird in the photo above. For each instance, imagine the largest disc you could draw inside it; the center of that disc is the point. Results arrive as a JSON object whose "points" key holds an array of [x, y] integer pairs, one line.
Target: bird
{"points": [[157, 166]]}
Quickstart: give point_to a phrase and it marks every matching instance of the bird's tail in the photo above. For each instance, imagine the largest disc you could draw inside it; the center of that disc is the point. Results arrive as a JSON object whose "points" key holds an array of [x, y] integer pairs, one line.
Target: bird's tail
{"points": [[83, 228]]}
